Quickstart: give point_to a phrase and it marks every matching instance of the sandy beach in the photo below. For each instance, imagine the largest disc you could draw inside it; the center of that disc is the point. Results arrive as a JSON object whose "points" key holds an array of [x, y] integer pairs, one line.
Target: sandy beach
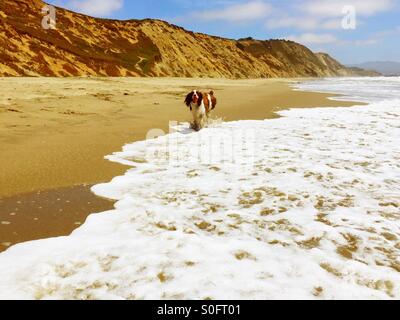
{"points": [[54, 134]]}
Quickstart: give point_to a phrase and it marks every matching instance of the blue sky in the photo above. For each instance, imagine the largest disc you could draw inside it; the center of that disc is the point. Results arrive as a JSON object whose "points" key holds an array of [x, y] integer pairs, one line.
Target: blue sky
{"points": [[353, 31]]}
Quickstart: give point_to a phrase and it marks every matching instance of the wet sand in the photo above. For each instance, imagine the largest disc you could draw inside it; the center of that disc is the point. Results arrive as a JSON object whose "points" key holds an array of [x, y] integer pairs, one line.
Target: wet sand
{"points": [[54, 134], [46, 214]]}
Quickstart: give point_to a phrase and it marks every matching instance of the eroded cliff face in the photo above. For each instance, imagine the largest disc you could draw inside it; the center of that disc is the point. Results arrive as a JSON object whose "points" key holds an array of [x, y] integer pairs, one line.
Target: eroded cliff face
{"points": [[82, 45], [341, 70]]}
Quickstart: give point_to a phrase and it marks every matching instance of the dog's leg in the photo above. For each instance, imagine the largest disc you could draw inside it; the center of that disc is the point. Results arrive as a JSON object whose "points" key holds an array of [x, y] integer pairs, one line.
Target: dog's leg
{"points": [[195, 114], [202, 120]]}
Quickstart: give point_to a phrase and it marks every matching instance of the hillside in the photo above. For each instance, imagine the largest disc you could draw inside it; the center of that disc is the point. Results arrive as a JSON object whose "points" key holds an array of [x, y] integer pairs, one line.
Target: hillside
{"points": [[387, 68], [83, 45], [345, 70]]}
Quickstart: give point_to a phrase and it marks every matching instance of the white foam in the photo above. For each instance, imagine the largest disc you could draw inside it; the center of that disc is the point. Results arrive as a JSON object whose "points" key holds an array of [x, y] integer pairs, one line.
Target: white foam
{"points": [[358, 89], [313, 213]]}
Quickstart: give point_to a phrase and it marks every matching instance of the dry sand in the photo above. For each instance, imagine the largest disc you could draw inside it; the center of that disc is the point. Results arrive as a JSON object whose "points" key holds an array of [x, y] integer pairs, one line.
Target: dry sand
{"points": [[54, 133]]}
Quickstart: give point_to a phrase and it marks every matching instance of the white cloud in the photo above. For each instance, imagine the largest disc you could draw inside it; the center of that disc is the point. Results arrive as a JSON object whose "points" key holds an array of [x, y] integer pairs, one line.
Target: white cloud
{"points": [[304, 23], [238, 12], [96, 7], [293, 22], [367, 42], [329, 8], [333, 24], [324, 14], [313, 38]]}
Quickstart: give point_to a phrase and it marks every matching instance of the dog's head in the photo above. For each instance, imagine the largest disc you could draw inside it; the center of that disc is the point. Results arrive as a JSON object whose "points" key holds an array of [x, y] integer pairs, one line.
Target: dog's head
{"points": [[194, 97]]}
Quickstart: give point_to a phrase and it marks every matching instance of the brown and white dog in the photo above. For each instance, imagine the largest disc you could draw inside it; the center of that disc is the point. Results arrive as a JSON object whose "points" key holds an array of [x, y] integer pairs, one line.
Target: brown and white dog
{"points": [[201, 105]]}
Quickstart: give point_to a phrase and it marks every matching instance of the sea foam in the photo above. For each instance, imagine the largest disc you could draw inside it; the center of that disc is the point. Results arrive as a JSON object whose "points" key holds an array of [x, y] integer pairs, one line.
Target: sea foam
{"points": [[304, 206]]}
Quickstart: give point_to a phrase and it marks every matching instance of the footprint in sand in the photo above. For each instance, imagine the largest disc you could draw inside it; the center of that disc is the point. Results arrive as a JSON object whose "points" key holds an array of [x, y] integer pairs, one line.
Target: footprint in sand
{"points": [[14, 110]]}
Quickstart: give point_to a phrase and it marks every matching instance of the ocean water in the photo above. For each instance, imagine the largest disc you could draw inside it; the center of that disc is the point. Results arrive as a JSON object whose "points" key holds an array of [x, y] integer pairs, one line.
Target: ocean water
{"points": [[371, 89], [306, 206]]}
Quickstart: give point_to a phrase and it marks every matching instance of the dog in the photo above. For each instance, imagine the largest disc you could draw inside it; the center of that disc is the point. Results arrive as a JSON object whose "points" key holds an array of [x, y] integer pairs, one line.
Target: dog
{"points": [[201, 104]]}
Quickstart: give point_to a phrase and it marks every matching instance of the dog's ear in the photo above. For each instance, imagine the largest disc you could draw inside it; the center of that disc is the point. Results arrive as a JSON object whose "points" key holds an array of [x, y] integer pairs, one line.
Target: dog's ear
{"points": [[200, 98], [188, 99]]}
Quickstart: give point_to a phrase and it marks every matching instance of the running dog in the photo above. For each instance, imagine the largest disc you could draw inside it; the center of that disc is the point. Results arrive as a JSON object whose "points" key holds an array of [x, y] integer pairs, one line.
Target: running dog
{"points": [[201, 104]]}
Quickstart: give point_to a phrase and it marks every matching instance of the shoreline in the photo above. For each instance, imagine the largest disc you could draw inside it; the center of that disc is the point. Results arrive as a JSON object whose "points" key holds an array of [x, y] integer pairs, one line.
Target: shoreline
{"points": [[47, 214], [315, 200], [66, 152]]}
